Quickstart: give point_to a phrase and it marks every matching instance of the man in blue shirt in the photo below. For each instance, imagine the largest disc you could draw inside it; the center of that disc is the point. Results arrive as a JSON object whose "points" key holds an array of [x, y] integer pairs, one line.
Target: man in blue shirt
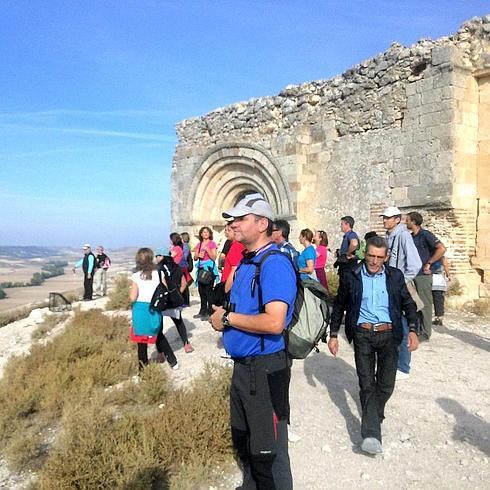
{"points": [[280, 236], [374, 296], [430, 250], [346, 255], [259, 310]]}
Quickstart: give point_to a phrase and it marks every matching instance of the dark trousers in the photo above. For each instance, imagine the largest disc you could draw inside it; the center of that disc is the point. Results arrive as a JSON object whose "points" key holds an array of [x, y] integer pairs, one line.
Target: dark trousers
{"points": [[88, 286], [206, 294], [438, 298], [322, 277], [179, 323], [259, 403], [162, 345], [376, 356]]}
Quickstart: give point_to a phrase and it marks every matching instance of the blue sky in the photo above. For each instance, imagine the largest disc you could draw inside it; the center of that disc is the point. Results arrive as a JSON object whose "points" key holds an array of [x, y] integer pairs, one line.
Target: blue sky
{"points": [[90, 92]]}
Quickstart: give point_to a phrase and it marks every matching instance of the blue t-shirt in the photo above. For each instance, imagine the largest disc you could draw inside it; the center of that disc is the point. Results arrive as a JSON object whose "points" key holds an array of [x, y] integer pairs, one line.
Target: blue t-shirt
{"points": [[350, 235], [278, 283], [309, 253]]}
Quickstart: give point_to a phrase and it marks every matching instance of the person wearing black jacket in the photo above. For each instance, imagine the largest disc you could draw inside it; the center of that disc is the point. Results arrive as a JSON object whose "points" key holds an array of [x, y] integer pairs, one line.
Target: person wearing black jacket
{"points": [[373, 295], [174, 274]]}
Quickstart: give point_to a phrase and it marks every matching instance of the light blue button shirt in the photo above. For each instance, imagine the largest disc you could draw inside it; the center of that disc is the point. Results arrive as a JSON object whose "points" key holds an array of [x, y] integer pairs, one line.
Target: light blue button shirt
{"points": [[375, 307]]}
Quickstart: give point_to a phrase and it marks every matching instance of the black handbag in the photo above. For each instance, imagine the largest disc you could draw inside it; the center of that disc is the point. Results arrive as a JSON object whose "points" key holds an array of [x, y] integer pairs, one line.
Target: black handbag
{"points": [[166, 297], [205, 277]]}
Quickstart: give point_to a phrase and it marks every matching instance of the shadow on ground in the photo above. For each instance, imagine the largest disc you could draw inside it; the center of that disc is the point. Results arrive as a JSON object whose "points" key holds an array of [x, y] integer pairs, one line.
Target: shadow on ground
{"points": [[340, 379], [469, 428], [466, 337]]}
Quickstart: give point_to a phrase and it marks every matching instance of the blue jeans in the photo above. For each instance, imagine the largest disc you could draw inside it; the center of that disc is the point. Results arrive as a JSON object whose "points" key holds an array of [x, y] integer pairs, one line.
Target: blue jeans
{"points": [[404, 355]]}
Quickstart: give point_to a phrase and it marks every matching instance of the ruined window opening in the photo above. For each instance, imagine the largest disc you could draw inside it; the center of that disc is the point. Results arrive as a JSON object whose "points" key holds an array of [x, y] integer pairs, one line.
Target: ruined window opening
{"points": [[418, 68]]}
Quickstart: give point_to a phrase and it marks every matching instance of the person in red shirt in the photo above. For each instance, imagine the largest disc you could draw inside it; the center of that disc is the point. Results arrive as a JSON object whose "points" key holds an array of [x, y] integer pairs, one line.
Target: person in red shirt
{"points": [[232, 260]]}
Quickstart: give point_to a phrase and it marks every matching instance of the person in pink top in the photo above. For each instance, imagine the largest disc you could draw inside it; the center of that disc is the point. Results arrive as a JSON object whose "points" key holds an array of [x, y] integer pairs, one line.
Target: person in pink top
{"points": [[205, 253], [177, 247], [321, 242]]}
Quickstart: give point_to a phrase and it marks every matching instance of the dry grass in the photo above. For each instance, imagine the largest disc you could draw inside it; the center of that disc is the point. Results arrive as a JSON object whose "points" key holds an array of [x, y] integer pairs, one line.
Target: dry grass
{"points": [[454, 288], [49, 322], [479, 307], [119, 294], [333, 282], [16, 314], [111, 432]]}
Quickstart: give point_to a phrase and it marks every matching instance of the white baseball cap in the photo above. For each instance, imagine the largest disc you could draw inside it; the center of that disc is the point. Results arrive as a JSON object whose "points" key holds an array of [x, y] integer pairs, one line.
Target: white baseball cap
{"points": [[251, 204], [391, 211], [86, 245]]}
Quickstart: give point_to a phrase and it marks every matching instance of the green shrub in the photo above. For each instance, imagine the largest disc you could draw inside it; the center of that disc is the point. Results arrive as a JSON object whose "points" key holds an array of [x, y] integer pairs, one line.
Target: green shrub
{"points": [[3, 294], [49, 322], [10, 316], [119, 294], [112, 433]]}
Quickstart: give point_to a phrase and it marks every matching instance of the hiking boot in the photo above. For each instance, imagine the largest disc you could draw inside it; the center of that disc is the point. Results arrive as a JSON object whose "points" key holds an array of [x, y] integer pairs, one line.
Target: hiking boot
{"points": [[371, 445], [199, 315], [188, 348], [161, 358]]}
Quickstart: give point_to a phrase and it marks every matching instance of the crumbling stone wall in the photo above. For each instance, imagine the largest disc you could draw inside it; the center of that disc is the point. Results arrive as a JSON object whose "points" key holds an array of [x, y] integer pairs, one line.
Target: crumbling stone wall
{"points": [[402, 128]]}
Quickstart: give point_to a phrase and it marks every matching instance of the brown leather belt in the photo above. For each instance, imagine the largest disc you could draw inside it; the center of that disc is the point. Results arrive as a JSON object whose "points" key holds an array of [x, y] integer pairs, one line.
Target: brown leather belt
{"points": [[376, 327]]}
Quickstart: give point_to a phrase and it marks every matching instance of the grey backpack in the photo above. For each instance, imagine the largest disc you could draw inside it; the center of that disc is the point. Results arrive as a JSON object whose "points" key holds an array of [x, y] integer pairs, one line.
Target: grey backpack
{"points": [[311, 315]]}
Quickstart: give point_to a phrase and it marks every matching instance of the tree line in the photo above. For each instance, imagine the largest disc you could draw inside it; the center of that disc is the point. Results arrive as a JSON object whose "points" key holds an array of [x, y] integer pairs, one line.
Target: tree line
{"points": [[50, 269]]}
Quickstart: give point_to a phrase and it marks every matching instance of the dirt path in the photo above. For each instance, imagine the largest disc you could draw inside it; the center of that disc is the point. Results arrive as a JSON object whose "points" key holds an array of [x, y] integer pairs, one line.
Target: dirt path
{"points": [[437, 431]]}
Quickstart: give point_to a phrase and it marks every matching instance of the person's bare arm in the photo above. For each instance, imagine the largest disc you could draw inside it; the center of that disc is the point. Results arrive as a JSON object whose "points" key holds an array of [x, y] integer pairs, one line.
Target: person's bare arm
{"points": [[438, 253], [273, 321], [212, 252], [310, 267], [183, 284], [352, 248], [133, 292]]}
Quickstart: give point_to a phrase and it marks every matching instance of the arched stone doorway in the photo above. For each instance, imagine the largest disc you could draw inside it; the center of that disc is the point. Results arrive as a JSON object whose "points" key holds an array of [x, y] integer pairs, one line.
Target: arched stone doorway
{"points": [[227, 173]]}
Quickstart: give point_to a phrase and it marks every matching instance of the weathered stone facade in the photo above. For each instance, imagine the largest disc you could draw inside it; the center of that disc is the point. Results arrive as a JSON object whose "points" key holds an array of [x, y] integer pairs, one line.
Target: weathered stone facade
{"points": [[410, 127]]}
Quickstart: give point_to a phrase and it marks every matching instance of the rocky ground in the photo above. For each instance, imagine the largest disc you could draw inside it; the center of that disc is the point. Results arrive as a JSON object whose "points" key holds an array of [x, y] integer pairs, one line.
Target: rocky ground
{"points": [[437, 431]]}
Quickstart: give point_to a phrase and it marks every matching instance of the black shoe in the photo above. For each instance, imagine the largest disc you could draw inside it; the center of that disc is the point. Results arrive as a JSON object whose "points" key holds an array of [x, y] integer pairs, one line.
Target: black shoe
{"points": [[423, 337], [199, 315]]}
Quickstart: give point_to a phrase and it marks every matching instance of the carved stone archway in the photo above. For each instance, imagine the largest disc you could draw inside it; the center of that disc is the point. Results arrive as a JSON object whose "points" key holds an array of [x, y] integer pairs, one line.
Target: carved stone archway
{"points": [[227, 172]]}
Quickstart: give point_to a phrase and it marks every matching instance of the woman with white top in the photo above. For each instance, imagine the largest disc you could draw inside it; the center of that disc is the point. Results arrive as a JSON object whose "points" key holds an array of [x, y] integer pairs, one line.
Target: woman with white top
{"points": [[146, 324]]}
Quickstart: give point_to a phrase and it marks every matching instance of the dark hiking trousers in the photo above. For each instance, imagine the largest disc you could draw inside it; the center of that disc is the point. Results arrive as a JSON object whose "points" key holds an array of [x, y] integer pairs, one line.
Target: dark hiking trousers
{"points": [[206, 294], [88, 286], [259, 402], [162, 345], [376, 355], [438, 299], [180, 325]]}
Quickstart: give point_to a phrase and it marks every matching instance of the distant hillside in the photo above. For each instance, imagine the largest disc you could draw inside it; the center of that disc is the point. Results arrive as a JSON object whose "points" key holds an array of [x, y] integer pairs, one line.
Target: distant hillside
{"points": [[32, 252]]}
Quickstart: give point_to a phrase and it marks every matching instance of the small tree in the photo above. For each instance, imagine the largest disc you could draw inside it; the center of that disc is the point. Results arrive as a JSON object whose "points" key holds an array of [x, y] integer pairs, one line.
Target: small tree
{"points": [[3, 294]]}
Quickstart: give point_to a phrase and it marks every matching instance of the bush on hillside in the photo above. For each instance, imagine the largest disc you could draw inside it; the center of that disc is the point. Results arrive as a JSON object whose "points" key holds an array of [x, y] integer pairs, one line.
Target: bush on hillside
{"points": [[3, 294], [70, 411], [119, 294]]}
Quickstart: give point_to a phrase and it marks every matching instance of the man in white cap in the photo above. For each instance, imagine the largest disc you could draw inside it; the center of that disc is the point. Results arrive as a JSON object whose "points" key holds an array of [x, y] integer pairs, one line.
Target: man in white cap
{"points": [[88, 265], [260, 307], [404, 256]]}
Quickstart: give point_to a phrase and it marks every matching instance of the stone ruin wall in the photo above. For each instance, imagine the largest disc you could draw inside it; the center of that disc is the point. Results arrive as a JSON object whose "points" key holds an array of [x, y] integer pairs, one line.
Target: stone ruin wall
{"points": [[403, 128]]}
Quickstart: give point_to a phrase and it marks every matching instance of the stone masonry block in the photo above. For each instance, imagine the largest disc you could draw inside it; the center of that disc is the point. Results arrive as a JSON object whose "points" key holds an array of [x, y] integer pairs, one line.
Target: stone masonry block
{"points": [[417, 194], [442, 54], [424, 85], [431, 96]]}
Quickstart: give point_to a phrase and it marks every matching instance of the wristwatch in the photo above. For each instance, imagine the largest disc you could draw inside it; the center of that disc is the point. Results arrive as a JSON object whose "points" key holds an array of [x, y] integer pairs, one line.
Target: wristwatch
{"points": [[224, 320], [412, 328]]}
